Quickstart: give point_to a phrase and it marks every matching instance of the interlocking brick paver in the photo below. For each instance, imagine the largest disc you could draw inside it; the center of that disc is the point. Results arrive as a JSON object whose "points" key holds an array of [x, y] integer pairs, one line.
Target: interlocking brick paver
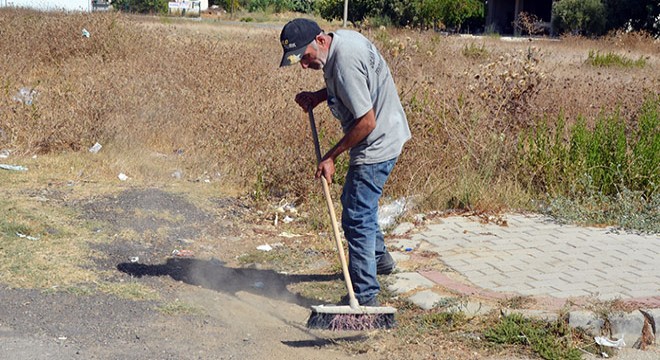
{"points": [[536, 256]]}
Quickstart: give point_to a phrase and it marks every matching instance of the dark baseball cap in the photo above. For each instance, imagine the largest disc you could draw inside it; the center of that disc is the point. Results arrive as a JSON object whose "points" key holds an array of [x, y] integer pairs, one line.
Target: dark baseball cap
{"points": [[295, 37]]}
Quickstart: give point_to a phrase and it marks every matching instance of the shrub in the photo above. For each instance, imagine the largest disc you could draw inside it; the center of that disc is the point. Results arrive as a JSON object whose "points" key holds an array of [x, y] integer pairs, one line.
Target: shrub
{"points": [[585, 17]]}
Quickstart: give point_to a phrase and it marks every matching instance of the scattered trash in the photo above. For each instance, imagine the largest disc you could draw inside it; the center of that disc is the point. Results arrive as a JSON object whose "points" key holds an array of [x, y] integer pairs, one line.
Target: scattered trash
{"points": [[134, 259], [286, 208], [26, 96], [604, 354], [287, 219], [601, 340], [288, 235], [387, 214], [95, 149], [408, 249], [4, 154], [26, 236], [177, 174], [85, 33], [265, 247], [258, 284], [182, 253], [13, 167], [122, 177], [419, 218]]}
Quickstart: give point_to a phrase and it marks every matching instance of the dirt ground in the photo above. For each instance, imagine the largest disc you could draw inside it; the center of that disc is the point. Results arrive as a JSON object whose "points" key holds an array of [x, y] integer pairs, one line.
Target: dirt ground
{"points": [[202, 290], [239, 313], [203, 303]]}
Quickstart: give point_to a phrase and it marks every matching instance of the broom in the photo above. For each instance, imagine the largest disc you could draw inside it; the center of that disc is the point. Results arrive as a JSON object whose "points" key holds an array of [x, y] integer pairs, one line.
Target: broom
{"points": [[352, 316]]}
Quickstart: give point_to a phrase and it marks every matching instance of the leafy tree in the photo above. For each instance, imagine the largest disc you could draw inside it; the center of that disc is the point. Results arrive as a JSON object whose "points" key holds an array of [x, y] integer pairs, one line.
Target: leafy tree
{"points": [[587, 17], [453, 13], [634, 14], [401, 12], [264, 5], [330, 9], [141, 6], [303, 6], [358, 10]]}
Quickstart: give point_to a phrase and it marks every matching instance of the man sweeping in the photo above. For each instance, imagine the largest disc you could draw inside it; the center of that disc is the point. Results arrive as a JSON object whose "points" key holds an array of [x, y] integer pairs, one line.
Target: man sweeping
{"points": [[361, 94]]}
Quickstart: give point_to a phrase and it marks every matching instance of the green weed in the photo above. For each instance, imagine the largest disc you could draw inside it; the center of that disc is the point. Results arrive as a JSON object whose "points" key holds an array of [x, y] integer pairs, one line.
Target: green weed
{"points": [[446, 320], [607, 173], [610, 154], [611, 59], [10, 229], [472, 51], [627, 209], [551, 341]]}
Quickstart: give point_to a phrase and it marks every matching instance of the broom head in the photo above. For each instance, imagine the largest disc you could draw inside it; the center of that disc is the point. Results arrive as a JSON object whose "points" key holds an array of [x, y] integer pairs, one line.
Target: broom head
{"points": [[343, 318]]}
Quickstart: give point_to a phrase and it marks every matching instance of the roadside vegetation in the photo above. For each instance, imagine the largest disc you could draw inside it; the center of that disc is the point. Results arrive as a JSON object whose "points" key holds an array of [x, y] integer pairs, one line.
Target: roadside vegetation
{"points": [[496, 125], [548, 126]]}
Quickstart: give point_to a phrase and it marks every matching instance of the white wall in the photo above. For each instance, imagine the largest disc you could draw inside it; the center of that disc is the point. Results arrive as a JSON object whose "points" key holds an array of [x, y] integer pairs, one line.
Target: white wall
{"points": [[68, 5]]}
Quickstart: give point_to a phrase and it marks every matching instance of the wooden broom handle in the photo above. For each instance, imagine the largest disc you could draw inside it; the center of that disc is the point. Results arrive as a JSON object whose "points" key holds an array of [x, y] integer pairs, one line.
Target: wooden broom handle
{"points": [[331, 210]]}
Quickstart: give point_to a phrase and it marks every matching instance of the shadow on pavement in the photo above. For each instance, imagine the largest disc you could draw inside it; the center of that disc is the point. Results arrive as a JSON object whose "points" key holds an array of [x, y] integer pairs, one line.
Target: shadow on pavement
{"points": [[216, 276]]}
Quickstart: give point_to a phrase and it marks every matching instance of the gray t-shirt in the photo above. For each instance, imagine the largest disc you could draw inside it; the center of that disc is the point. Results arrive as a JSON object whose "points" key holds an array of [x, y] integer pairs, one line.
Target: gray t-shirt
{"points": [[357, 80]]}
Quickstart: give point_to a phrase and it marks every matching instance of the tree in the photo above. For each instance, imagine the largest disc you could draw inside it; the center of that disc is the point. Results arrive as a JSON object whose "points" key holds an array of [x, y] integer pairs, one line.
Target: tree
{"points": [[455, 12], [586, 17], [141, 6], [358, 10], [634, 14]]}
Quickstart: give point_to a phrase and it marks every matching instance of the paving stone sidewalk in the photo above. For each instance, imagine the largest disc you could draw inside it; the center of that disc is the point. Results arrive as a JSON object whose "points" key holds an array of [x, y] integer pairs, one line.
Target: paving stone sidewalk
{"points": [[530, 256]]}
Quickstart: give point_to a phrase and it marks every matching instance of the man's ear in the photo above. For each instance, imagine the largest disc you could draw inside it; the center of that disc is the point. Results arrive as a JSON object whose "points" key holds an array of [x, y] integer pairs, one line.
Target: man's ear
{"points": [[322, 40]]}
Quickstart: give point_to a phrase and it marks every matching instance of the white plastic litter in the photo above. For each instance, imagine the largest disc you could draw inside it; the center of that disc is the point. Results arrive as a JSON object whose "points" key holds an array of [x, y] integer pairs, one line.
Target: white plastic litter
{"points": [[122, 177], [4, 154], [601, 340], [265, 247], [287, 219], [288, 235], [26, 236], [85, 33], [25, 96], [95, 149], [13, 167], [286, 208], [387, 214]]}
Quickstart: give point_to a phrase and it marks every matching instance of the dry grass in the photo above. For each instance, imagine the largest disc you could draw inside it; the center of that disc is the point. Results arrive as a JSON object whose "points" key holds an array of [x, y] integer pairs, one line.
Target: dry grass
{"points": [[209, 101]]}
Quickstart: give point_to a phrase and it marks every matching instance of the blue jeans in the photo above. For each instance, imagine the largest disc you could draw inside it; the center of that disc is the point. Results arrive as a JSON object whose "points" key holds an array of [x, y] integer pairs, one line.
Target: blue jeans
{"points": [[362, 190]]}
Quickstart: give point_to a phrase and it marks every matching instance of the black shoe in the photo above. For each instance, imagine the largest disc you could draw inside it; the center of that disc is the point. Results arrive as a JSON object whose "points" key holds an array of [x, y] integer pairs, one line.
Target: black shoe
{"points": [[385, 264], [373, 302]]}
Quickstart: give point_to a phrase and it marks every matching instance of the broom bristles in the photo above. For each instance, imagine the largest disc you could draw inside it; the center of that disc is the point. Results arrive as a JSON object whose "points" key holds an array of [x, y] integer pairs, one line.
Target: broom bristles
{"points": [[349, 322]]}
